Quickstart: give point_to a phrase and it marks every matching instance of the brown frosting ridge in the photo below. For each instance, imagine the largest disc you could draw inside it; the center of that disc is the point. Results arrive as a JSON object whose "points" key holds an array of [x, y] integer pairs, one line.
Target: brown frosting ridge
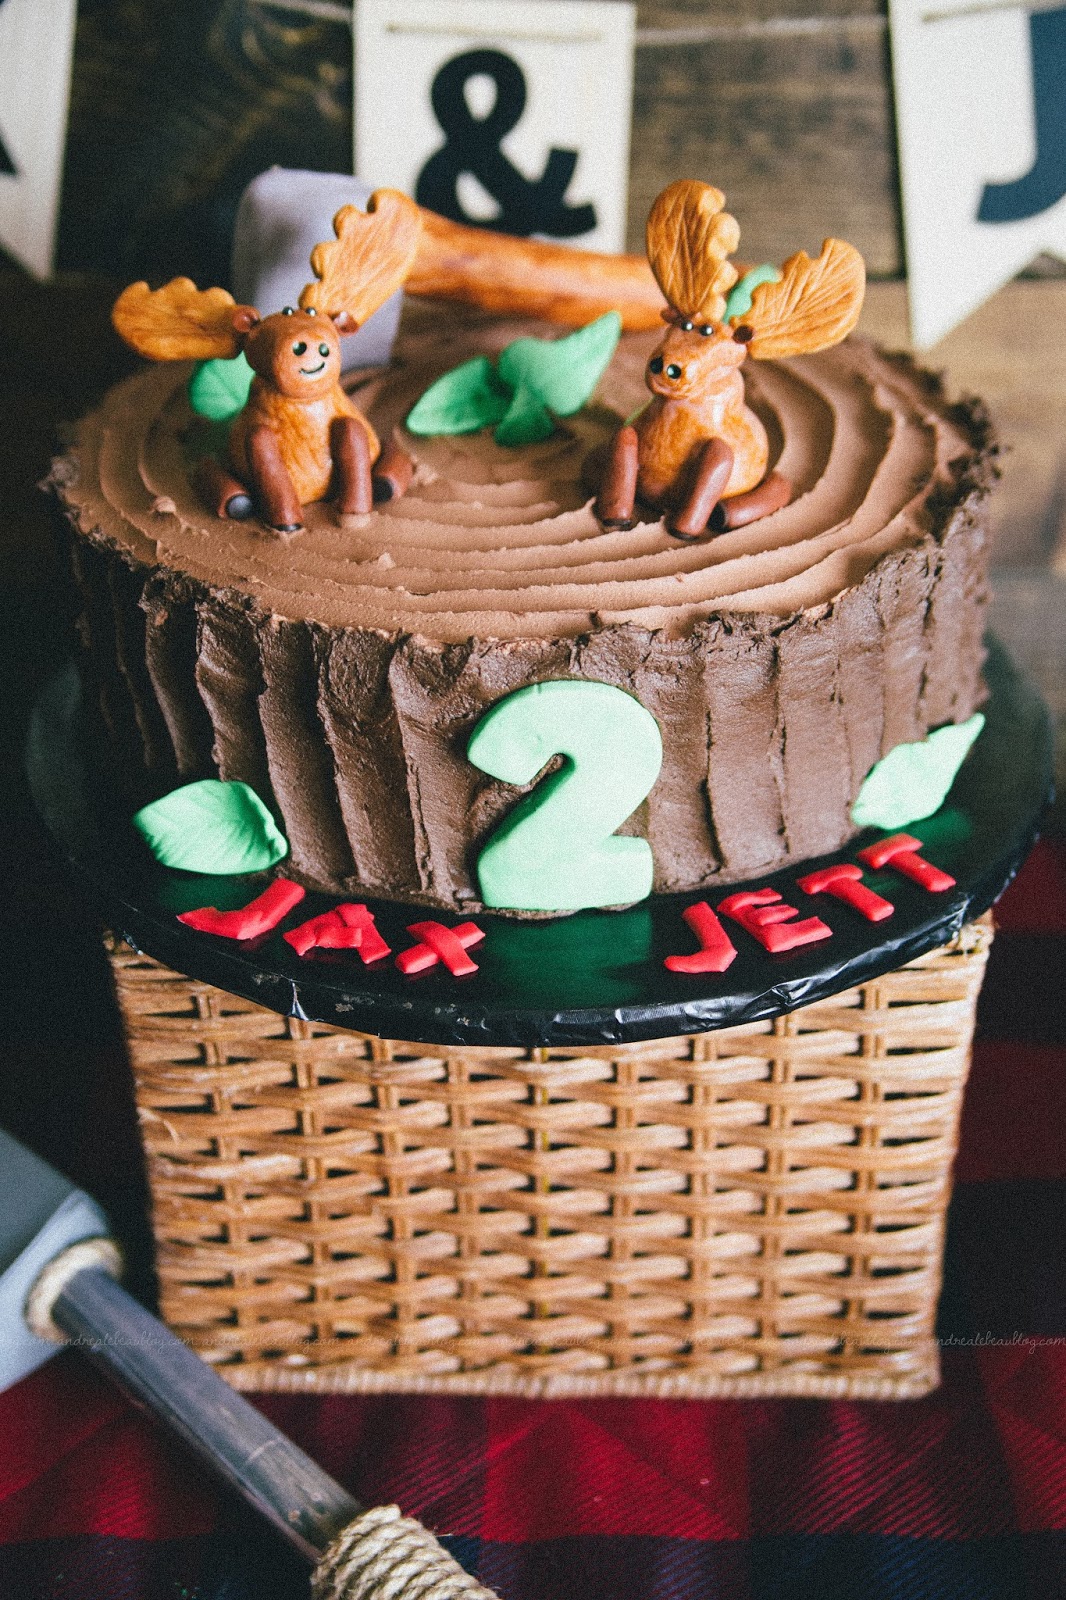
{"points": [[341, 674]]}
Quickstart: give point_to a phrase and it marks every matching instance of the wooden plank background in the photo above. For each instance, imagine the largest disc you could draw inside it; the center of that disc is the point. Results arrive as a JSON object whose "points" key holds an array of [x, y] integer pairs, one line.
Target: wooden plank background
{"points": [[784, 104]]}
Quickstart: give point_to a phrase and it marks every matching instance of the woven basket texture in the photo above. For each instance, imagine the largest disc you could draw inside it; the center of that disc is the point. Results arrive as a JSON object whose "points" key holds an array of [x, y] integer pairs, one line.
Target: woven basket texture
{"points": [[758, 1210]]}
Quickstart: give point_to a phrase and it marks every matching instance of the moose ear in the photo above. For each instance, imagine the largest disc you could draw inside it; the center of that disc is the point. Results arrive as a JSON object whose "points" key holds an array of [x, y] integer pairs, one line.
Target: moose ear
{"points": [[244, 319], [368, 260], [178, 322], [689, 235], [344, 322], [814, 304]]}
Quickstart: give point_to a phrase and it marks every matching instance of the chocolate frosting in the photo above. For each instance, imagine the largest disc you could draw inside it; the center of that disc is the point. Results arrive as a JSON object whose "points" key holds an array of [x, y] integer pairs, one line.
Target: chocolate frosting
{"points": [[341, 673]]}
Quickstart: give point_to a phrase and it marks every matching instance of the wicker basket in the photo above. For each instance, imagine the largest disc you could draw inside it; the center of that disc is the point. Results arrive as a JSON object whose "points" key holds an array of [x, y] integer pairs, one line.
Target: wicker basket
{"points": [[754, 1211]]}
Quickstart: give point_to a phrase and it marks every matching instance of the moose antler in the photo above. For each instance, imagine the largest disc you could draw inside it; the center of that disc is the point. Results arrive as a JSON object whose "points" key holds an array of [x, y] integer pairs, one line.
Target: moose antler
{"points": [[814, 304], [689, 236], [369, 259], [178, 322]]}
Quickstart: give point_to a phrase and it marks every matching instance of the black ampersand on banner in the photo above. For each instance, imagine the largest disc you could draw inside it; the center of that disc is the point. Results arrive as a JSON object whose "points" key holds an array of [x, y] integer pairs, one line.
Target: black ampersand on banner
{"points": [[473, 145]]}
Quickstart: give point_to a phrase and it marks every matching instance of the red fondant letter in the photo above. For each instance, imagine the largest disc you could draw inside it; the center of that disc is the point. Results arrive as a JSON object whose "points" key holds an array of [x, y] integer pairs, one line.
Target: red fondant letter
{"points": [[763, 914], [439, 943], [900, 852], [347, 927], [716, 949], [844, 882], [259, 916]]}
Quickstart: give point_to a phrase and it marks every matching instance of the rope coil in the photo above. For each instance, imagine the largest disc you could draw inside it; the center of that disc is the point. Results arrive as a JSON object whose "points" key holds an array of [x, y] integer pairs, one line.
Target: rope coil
{"points": [[53, 1279], [384, 1555]]}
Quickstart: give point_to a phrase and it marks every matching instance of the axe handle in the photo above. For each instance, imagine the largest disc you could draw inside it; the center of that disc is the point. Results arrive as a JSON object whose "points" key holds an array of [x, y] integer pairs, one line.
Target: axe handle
{"points": [[218, 1425], [529, 277], [357, 1554]]}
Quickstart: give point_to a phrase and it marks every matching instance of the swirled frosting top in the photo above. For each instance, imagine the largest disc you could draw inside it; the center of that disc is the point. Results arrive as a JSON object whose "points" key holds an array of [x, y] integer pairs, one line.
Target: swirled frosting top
{"points": [[490, 542]]}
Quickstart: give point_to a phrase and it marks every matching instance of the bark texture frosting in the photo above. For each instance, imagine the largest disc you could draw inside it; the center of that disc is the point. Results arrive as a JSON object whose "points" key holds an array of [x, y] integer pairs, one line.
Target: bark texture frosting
{"points": [[341, 673]]}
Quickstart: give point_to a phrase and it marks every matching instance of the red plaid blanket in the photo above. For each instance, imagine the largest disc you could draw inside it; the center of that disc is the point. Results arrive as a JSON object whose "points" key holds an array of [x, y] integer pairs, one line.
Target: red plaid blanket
{"points": [[960, 1496]]}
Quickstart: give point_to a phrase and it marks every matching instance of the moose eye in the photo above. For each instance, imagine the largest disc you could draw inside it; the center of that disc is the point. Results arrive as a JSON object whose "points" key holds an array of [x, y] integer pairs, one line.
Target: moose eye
{"points": [[686, 327], [707, 329], [323, 349], [288, 311], [298, 348], [655, 364], [673, 370]]}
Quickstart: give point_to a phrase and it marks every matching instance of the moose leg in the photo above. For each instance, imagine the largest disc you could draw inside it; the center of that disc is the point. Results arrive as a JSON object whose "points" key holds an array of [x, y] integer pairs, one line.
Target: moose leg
{"points": [[771, 494], [221, 492], [712, 475], [351, 466], [393, 471], [618, 487], [275, 494]]}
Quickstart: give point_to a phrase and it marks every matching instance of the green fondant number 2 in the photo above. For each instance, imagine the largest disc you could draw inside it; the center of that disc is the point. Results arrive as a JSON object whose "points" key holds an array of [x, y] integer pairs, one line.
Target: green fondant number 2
{"points": [[557, 850]]}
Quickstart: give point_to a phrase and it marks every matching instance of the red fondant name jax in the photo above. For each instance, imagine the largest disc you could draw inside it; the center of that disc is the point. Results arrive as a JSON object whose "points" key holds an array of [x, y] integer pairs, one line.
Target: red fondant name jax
{"points": [[349, 926], [778, 926], [763, 913]]}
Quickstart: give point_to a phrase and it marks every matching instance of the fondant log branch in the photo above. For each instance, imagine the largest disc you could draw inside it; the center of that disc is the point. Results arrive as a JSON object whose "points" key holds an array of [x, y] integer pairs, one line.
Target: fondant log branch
{"points": [[529, 277]]}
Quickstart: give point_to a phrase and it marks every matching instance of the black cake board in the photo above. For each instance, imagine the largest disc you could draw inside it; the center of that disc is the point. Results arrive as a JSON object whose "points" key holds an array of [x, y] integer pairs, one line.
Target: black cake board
{"points": [[592, 978]]}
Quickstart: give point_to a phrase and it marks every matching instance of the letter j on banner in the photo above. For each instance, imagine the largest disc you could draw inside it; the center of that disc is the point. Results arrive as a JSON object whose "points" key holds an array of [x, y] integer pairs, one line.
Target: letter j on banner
{"points": [[508, 114], [981, 114]]}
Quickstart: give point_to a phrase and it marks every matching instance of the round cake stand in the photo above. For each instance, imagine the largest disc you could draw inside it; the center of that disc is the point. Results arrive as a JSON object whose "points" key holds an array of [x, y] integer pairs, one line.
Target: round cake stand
{"points": [[592, 978]]}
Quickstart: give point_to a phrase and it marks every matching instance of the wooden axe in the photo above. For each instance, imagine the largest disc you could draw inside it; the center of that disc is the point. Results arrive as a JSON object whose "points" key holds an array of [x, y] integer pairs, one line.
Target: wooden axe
{"points": [[58, 1281]]}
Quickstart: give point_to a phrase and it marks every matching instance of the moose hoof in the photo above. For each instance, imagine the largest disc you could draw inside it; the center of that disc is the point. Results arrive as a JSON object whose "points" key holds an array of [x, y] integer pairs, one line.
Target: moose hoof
{"points": [[238, 508], [684, 536], [617, 524], [772, 494], [383, 489], [286, 528]]}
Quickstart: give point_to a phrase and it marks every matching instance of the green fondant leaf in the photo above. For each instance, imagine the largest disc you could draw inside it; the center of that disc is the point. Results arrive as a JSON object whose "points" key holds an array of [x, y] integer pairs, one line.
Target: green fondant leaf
{"points": [[212, 827], [466, 399], [527, 420], [562, 372], [219, 389], [738, 301], [533, 377], [913, 779]]}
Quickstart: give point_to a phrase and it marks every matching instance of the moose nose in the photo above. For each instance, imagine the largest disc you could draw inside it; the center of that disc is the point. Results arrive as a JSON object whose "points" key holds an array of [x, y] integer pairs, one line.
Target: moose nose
{"points": [[655, 365]]}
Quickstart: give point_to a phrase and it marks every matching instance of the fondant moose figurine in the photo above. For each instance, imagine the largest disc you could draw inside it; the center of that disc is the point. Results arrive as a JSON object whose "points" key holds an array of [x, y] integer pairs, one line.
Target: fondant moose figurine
{"points": [[697, 449], [299, 438]]}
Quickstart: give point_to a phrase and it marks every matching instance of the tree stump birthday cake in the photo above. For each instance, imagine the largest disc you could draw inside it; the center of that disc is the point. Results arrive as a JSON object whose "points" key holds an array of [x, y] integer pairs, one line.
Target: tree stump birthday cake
{"points": [[338, 656]]}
